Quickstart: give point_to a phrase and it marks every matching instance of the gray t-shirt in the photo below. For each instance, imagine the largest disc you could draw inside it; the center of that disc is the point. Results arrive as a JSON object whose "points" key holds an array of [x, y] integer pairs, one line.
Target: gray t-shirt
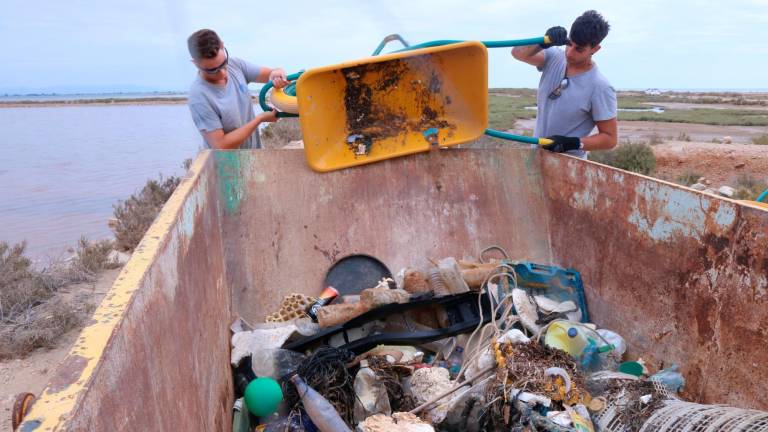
{"points": [[226, 106], [588, 98]]}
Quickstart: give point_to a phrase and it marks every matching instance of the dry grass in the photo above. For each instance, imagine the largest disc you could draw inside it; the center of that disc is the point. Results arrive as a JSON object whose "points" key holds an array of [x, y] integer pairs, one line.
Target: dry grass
{"points": [[749, 188], [136, 214], [760, 139], [33, 313], [655, 139], [689, 177], [278, 134]]}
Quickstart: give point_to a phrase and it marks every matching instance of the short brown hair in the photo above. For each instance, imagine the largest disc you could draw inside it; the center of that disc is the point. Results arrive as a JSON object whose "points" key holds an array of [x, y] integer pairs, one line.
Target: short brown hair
{"points": [[204, 44]]}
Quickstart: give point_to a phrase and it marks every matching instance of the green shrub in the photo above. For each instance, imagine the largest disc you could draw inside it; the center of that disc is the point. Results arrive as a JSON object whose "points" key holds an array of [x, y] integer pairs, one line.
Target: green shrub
{"points": [[136, 214], [748, 187], [631, 156]]}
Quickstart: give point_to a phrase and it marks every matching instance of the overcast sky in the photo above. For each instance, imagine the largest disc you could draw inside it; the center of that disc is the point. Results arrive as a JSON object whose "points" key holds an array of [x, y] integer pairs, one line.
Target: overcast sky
{"points": [[141, 44]]}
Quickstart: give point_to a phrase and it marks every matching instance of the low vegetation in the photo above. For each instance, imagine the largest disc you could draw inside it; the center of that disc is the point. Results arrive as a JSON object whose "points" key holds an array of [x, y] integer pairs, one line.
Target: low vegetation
{"points": [[749, 188], [34, 310], [631, 156], [689, 177]]}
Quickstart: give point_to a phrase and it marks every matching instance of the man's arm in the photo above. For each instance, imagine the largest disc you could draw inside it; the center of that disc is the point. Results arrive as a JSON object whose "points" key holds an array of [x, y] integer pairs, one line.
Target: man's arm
{"points": [[605, 138], [276, 75], [531, 54], [219, 140]]}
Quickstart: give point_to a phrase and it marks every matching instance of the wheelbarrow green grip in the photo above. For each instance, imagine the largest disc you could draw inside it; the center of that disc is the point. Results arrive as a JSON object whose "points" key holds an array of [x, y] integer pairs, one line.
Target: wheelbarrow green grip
{"points": [[265, 90], [518, 138]]}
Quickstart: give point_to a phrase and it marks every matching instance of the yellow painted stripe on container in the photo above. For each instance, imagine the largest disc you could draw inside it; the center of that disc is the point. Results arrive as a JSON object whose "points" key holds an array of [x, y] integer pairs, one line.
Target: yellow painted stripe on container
{"points": [[55, 406]]}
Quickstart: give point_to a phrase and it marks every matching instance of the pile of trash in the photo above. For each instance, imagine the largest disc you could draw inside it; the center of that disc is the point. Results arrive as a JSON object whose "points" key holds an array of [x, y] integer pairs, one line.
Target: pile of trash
{"points": [[465, 345]]}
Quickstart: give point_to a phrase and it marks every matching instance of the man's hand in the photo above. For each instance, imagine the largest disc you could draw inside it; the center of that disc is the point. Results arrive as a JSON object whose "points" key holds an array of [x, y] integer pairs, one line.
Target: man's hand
{"points": [[563, 144], [558, 36], [278, 78], [268, 116]]}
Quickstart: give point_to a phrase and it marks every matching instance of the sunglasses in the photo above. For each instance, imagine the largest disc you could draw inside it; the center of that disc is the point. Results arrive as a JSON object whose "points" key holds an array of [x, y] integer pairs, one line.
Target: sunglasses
{"points": [[215, 70], [559, 89]]}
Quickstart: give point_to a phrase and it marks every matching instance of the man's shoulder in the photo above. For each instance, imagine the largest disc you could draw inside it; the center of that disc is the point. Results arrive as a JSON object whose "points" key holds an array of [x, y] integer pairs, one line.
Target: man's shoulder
{"points": [[601, 81], [238, 64], [196, 89]]}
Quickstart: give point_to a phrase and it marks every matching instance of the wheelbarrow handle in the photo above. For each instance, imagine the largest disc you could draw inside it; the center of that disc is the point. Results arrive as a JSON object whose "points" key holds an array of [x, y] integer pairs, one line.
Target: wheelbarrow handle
{"points": [[518, 138], [388, 39], [265, 90], [488, 44]]}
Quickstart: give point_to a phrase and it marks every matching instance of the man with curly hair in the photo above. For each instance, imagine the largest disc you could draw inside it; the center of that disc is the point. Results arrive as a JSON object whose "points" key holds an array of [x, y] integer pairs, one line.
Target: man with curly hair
{"points": [[573, 96]]}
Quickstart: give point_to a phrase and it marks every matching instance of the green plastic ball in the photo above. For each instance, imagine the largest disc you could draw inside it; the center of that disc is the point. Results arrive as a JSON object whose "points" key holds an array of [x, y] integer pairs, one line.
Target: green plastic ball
{"points": [[263, 396]]}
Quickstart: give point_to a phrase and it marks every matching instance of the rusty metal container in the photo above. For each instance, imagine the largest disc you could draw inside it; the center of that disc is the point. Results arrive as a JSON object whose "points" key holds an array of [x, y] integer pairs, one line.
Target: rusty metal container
{"points": [[682, 275]]}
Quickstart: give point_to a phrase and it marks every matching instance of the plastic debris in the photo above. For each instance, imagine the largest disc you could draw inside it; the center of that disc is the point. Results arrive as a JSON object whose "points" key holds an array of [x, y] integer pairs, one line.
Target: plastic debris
{"points": [[371, 394], [240, 419], [247, 342], [530, 398], [632, 368], [670, 377], [275, 363], [322, 413], [513, 336], [615, 339], [556, 371], [293, 306], [526, 309], [328, 295], [263, 396], [402, 354], [567, 308], [426, 384], [401, 422], [560, 418]]}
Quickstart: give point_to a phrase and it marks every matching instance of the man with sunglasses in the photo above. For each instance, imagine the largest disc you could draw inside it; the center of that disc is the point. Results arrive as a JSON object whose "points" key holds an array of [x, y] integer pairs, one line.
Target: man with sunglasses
{"points": [[219, 99], [573, 96]]}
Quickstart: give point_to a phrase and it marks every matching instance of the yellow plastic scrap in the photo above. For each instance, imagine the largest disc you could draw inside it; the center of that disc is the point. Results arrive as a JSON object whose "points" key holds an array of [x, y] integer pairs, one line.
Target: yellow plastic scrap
{"points": [[501, 360]]}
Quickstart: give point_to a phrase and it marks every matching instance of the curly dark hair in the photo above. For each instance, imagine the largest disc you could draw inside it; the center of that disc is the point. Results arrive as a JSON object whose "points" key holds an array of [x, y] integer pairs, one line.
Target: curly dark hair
{"points": [[589, 29], [204, 44]]}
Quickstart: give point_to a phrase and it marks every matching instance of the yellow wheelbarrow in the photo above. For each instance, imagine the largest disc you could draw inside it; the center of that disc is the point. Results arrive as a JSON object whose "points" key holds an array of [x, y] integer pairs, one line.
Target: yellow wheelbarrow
{"points": [[385, 106]]}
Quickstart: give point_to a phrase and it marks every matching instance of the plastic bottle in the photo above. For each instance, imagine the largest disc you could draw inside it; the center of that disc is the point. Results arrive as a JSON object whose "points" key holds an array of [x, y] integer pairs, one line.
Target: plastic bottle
{"points": [[320, 411], [453, 362], [567, 336], [590, 358], [574, 338]]}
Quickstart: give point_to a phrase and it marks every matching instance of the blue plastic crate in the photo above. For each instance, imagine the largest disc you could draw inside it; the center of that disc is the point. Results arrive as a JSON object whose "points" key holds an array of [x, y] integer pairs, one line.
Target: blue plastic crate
{"points": [[554, 282]]}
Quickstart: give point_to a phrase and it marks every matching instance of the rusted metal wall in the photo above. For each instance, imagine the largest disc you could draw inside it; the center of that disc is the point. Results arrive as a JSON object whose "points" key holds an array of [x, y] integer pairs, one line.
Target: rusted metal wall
{"points": [[155, 356], [682, 275], [285, 225]]}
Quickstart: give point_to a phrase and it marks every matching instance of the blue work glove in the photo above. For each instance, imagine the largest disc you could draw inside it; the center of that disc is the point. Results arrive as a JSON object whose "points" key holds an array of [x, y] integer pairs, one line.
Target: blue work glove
{"points": [[563, 144], [558, 36]]}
